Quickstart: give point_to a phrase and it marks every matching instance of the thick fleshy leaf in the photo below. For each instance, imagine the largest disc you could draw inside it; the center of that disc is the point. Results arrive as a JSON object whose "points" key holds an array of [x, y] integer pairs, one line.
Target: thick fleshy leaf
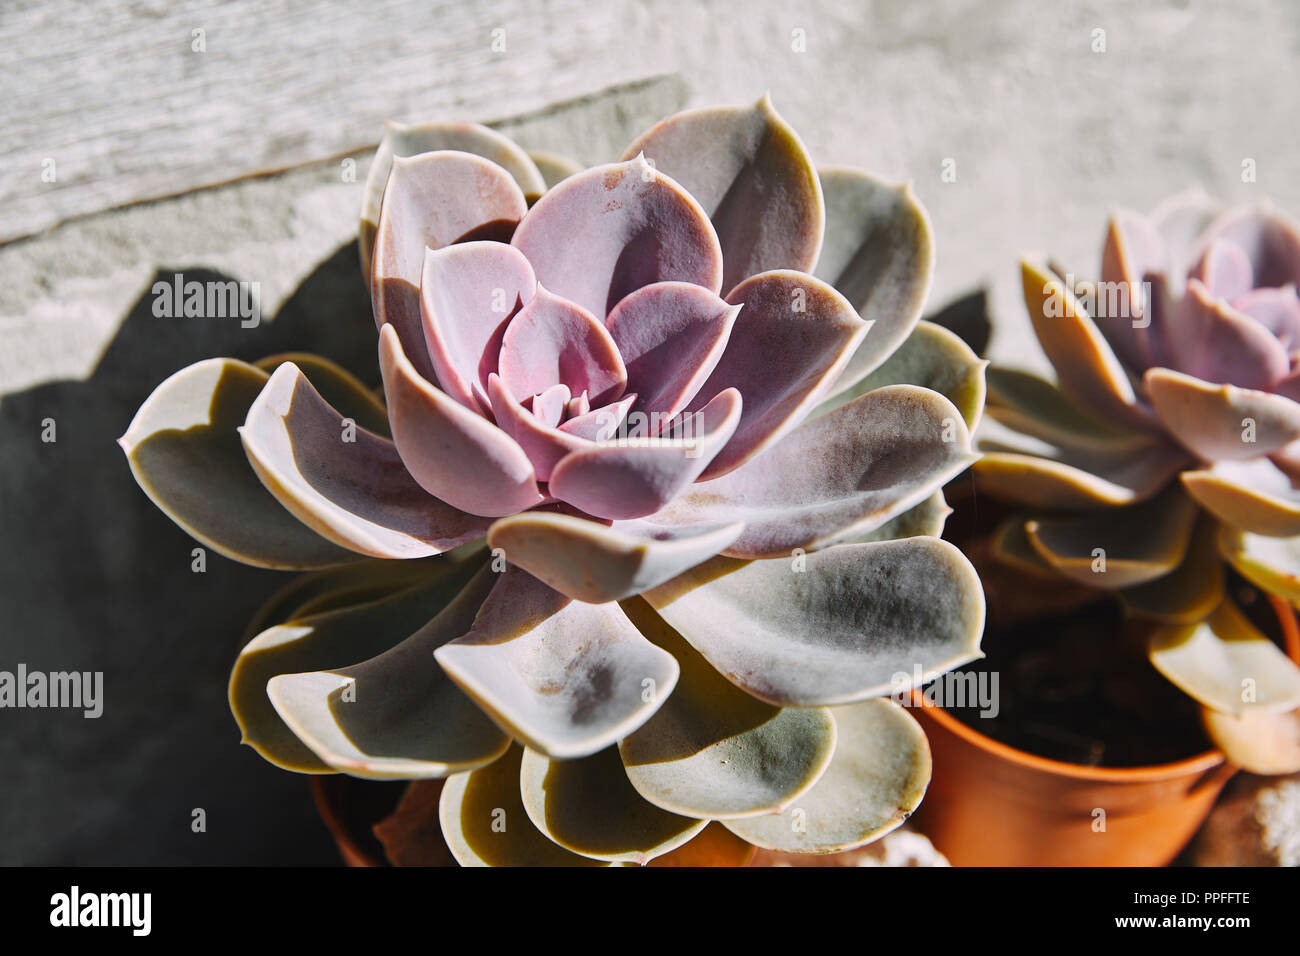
{"points": [[1270, 563], [342, 390], [553, 167], [712, 751], [1217, 343], [877, 777], [1118, 547], [184, 451], [879, 253], [1253, 495], [454, 454], [1278, 310], [1270, 240], [1084, 361], [1190, 591], [931, 357], [927, 518], [1133, 252], [564, 677], [1226, 664], [323, 641], [433, 200], [1222, 421], [606, 232], [396, 716], [754, 178], [468, 293], [1022, 469], [485, 823], [635, 477], [1257, 741], [1181, 220], [590, 807], [403, 140], [346, 586], [544, 444], [1225, 270], [1010, 544], [1026, 403], [830, 627], [411, 834], [554, 341], [671, 336], [592, 562], [837, 476], [346, 483], [790, 342]]}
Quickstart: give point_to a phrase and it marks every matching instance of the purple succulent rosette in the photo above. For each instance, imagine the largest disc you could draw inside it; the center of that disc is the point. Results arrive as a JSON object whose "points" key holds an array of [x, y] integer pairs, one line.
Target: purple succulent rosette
{"points": [[686, 400], [1170, 445]]}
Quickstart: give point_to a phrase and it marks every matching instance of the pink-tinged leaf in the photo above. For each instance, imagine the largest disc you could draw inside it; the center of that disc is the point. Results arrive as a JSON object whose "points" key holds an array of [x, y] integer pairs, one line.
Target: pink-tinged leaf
{"points": [[578, 406], [1084, 361], [1215, 342], [1222, 421], [1180, 220], [879, 253], [1269, 239], [1278, 310], [592, 562], [344, 482], [630, 478], [468, 294], [564, 677], [1133, 253], [403, 140], [433, 200], [604, 423], [1254, 495], [553, 341], [837, 476], [671, 336], [1224, 270], [604, 233], [754, 178], [454, 454], [550, 406], [544, 444], [789, 344]]}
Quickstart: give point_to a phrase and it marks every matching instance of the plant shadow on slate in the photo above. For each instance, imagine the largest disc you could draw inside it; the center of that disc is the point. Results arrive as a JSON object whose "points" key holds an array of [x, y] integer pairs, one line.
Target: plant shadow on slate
{"points": [[96, 578]]}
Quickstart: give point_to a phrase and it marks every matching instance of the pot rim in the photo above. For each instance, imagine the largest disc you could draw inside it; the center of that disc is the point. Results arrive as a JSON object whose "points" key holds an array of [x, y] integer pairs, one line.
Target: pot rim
{"points": [[1151, 773]]}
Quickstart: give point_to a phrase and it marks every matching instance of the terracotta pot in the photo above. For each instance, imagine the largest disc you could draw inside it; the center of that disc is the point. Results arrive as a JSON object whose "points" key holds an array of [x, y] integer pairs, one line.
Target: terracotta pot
{"points": [[348, 822], [993, 805]]}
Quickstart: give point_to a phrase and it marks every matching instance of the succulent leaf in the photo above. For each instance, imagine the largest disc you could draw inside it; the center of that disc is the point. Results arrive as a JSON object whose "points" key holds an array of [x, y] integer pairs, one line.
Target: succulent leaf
{"points": [[473, 808], [1267, 562], [323, 641], [734, 160], [1190, 591], [592, 562], [396, 716], [1261, 742], [1252, 495], [857, 467], [877, 777], [714, 752], [1222, 422], [1226, 664], [1034, 406], [564, 677], [606, 232], [833, 626], [590, 807], [340, 388], [879, 253], [184, 451], [354, 492], [931, 357]]}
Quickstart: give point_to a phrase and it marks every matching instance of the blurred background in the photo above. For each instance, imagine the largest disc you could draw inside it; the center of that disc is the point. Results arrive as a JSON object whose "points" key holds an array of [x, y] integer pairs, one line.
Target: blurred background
{"points": [[230, 140]]}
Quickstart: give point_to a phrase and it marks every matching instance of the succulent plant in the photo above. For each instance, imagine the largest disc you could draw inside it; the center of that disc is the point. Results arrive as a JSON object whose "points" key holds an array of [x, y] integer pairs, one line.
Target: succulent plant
{"points": [[1170, 445], [686, 400]]}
